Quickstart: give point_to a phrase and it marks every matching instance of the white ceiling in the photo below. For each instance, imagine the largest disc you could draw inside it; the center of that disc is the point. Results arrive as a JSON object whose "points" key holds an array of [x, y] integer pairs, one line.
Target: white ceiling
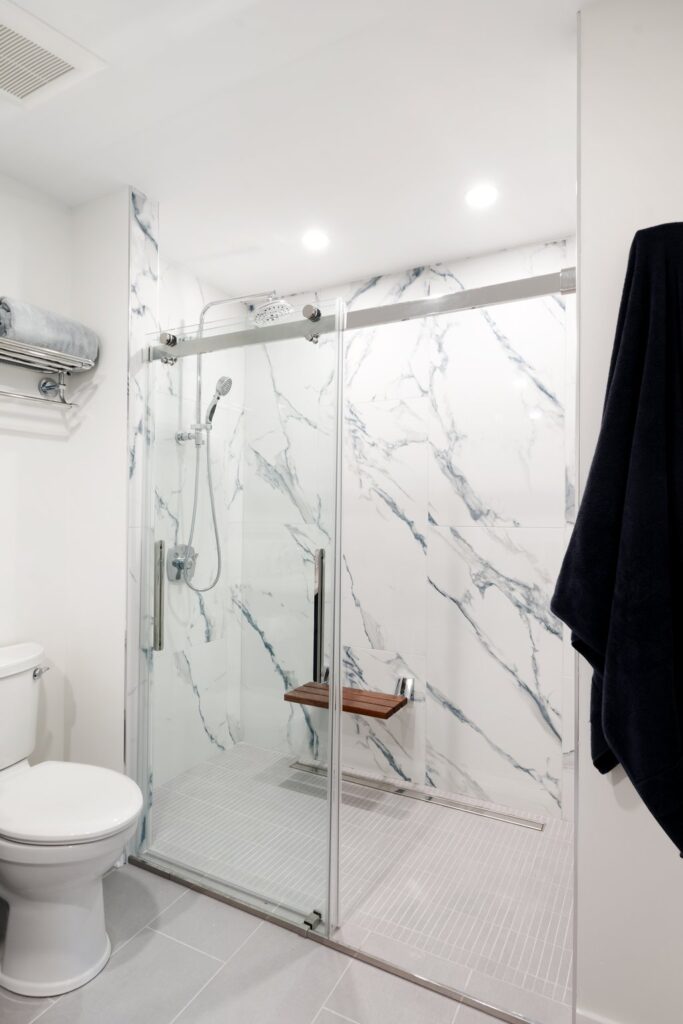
{"points": [[251, 120]]}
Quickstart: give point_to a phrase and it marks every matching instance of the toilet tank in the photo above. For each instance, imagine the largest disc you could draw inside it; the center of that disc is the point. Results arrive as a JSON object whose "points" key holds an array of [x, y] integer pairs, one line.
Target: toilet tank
{"points": [[18, 701]]}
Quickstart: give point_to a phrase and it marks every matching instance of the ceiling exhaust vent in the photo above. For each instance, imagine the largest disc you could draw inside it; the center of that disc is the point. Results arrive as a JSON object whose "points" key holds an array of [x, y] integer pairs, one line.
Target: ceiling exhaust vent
{"points": [[26, 67], [35, 60]]}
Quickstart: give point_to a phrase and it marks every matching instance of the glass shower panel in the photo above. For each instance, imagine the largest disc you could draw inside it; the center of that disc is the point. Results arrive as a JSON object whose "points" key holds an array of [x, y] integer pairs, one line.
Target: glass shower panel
{"points": [[226, 724], [457, 499]]}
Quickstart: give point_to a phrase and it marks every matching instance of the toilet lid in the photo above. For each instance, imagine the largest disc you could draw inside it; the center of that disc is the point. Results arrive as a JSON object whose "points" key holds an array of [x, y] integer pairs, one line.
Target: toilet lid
{"points": [[57, 803]]}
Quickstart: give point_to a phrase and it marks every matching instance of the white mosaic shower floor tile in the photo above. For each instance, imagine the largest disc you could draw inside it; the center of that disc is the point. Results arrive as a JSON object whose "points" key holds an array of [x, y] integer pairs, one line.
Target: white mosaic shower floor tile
{"points": [[470, 901]]}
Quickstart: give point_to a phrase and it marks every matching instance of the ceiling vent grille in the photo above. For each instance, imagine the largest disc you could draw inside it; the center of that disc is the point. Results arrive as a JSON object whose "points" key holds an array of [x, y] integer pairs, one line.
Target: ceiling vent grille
{"points": [[26, 67]]}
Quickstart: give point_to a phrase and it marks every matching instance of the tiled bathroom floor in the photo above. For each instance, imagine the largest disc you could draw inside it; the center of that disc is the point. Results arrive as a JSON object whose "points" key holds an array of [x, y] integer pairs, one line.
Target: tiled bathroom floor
{"points": [[478, 904], [186, 958]]}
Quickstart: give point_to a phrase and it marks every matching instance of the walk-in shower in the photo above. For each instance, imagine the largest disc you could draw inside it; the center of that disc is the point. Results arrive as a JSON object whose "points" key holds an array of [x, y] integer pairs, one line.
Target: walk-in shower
{"points": [[419, 446]]}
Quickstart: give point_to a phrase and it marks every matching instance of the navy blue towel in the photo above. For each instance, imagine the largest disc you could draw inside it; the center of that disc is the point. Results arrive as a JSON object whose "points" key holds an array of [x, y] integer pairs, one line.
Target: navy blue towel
{"points": [[620, 589]]}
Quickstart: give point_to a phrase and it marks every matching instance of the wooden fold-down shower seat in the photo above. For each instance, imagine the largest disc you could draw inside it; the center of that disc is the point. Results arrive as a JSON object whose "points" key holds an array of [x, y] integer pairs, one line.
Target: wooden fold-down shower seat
{"points": [[354, 700]]}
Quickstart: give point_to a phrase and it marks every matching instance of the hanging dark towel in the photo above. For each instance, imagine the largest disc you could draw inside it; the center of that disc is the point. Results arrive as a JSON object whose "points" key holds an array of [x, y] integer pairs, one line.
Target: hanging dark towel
{"points": [[620, 589]]}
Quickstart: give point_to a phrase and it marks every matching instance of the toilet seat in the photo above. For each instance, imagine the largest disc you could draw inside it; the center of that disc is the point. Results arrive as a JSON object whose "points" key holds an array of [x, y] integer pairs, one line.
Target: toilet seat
{"points": [[60, 803]]}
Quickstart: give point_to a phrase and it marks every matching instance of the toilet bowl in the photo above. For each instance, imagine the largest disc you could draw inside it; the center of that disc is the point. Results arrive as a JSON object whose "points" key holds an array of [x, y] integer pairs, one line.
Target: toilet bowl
{"points": [[62, 827]]}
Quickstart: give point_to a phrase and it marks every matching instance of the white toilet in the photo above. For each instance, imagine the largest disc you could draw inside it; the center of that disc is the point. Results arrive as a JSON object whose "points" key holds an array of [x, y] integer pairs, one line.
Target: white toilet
{"points": [[62, 826]]}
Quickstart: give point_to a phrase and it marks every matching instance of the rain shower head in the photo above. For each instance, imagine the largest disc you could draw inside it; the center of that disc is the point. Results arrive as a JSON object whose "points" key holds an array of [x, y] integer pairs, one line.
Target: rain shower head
{"points": [[223, 385], [272, 310]]}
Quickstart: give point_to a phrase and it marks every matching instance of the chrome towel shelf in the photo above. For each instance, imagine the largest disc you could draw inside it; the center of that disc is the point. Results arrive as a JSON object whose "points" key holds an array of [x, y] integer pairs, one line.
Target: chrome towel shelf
{"points": [[34, 357]]}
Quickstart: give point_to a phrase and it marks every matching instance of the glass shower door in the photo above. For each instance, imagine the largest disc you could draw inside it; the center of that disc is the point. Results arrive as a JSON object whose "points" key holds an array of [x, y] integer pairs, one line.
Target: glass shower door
{"points": [[230, 729]]}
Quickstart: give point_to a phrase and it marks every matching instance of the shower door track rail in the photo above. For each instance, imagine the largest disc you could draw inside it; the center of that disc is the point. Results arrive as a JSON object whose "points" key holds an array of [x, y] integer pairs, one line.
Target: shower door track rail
{"points": [[562, 282], [456, 994]]}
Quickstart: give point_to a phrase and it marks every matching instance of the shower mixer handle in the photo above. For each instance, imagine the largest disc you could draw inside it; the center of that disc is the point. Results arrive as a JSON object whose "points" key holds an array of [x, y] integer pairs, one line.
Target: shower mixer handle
{"points": [[181, 560]]}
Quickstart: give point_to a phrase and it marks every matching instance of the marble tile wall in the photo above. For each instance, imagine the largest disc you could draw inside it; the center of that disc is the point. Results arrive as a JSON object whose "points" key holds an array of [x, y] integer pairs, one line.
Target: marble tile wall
{"points": [[192, 687], [289, 490], [457, 488]]}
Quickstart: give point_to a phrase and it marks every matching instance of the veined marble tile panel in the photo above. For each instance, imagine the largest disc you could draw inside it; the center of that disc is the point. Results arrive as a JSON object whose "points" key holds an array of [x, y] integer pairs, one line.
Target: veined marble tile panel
{"points": [[494, 668], [384, 517], [275, 603], [394, 748], [194, 707], [289, 474], [497, 429], [143, 319]]}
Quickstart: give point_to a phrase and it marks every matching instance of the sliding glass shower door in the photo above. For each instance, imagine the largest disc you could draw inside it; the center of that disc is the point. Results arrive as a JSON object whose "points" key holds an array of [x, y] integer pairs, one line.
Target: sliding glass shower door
{"points": [[244, 617]]}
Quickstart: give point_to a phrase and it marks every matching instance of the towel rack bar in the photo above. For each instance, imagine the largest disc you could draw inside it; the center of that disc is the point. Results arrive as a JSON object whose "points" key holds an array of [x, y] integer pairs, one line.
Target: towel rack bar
{"points": [[37, 358], [35, 398]]}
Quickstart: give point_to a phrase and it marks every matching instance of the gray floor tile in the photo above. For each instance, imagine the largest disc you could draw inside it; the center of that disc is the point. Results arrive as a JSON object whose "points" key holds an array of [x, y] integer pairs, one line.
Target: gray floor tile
{"points": [[276, 978], [19, 1010], [370, 996], [207, 924], [435, 968], [466, 1015], [330, 1017], [133, 898], [519, 1000], [484, 894], [148, 981]]}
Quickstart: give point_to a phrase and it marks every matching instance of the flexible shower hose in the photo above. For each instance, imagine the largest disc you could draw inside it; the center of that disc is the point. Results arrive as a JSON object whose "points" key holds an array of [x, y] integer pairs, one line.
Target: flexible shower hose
{"points": [[203, 590]]}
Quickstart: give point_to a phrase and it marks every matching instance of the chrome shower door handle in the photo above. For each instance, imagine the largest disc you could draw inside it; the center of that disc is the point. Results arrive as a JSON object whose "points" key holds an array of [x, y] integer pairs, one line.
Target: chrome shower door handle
{"points": [[159, 576], [318, 616]]}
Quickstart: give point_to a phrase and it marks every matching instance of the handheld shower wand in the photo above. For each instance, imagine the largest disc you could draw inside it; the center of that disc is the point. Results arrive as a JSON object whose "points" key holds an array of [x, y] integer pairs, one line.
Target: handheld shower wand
{"points": [[223, 385]]}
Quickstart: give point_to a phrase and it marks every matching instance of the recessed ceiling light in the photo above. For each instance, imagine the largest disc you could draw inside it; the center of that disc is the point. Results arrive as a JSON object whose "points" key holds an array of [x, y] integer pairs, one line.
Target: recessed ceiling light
{"points": [[315, 240], [482, 195]]}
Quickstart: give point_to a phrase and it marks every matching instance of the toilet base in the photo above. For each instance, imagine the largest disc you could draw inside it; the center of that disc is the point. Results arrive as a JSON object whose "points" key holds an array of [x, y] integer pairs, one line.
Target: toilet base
{"points": [[22, 987], [56, 938]]}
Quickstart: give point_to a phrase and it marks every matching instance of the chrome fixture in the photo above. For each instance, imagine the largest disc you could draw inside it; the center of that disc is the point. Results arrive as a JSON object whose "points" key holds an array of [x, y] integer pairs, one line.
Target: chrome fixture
{"points": [[319, 617], [272, 310], [405, 687], [181, 559], [40, 671], [35, 357], [47, 387], [311, 313], [563, 282], [223, 385], [196, 434], [158, 626], [269, 312]]}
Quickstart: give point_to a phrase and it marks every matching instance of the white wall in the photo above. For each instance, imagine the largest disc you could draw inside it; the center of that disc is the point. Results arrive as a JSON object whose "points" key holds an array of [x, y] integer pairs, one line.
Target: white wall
{"points": [[63, 476], [98, 491], [630, 888], [35, 265]]}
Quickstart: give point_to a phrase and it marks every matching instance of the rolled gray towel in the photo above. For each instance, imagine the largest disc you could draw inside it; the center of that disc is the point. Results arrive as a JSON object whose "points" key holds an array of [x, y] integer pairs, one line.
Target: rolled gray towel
{"points": [[19, 321]]}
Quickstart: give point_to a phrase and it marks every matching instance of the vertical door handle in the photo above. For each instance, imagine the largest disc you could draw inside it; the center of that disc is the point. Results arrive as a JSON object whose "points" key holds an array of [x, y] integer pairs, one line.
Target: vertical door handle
{"points": [[318, 616], [159, 572]]}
